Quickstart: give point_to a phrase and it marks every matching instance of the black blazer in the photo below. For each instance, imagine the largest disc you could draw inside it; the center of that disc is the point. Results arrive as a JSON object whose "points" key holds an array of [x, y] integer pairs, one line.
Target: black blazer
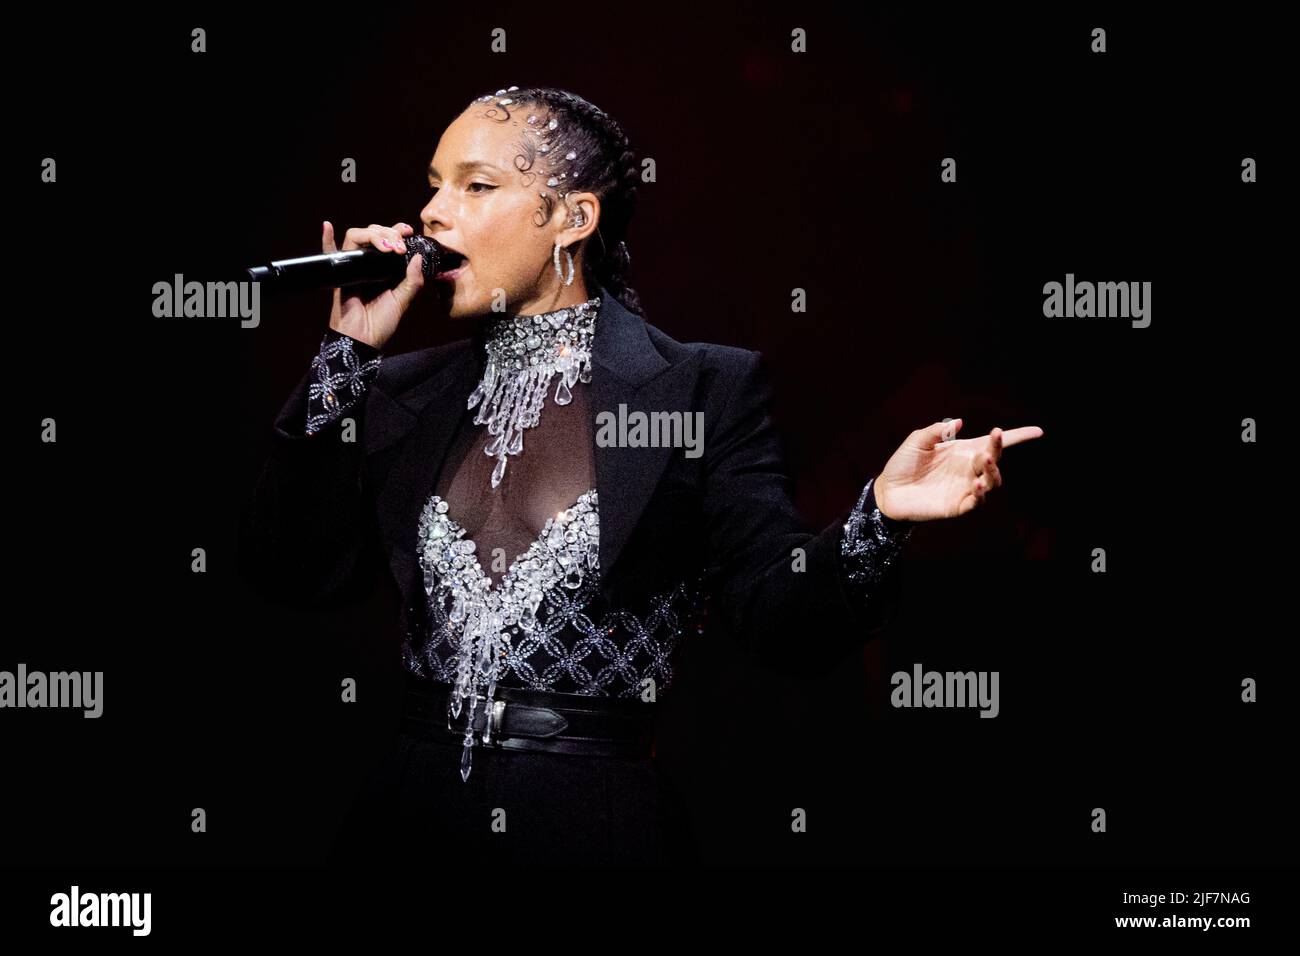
{"points": [[326, 514]]}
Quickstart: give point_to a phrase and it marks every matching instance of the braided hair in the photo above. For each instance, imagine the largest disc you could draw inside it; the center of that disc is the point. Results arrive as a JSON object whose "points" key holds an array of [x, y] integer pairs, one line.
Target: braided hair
{"points": [[581, 148]]}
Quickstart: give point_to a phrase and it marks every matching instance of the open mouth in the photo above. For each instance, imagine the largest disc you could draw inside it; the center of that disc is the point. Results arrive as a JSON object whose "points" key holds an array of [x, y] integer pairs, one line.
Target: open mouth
{"points": [[450, 264]]}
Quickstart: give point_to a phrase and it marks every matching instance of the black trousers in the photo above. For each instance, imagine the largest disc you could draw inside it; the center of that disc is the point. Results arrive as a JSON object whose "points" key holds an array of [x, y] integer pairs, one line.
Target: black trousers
{"points": [[517, 807]]}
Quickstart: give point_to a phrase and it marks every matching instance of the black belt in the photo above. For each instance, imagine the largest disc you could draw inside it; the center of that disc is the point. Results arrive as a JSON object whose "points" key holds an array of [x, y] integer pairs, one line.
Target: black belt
{"points": [[534, 720]]}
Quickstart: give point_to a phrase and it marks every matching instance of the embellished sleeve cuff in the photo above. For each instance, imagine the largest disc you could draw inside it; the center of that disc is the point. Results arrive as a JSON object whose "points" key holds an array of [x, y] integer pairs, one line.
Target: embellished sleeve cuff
{"points": [[871, 541], [340, 374]]}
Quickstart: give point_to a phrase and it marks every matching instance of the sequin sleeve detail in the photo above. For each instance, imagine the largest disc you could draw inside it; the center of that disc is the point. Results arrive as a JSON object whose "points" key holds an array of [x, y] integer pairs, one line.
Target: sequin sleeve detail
{"points": [[340, 373], [871, 543]]}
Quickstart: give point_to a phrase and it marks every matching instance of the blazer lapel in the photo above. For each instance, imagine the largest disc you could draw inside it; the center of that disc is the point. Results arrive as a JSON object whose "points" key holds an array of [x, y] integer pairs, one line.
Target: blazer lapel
{"points": [[430, 412], [628, 370]]}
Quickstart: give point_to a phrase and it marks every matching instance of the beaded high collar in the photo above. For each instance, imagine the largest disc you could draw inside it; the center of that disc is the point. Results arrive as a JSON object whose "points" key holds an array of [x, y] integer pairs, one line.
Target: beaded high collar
{"points": [[522, 353]]}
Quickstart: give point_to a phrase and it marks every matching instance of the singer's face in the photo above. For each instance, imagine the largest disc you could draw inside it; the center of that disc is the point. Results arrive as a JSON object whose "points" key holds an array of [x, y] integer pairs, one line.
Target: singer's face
{"points": [[483, 207]]}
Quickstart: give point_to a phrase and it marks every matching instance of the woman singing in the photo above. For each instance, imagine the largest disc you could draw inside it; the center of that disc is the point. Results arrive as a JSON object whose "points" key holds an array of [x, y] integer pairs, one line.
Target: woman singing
{"points": [[550, 560]]}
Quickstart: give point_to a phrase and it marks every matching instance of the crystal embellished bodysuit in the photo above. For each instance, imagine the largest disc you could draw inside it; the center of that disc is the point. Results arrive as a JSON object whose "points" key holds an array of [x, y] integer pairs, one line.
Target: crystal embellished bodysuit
{"points": [[510, 571]]}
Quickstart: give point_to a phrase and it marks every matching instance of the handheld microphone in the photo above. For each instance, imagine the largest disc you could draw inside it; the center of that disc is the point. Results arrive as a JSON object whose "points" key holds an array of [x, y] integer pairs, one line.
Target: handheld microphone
{"points": [[357, 266]]}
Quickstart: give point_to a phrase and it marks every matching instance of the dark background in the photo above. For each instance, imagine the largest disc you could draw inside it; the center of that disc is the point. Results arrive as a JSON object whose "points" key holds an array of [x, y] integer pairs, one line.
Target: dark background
{"points": [[775, 170]]}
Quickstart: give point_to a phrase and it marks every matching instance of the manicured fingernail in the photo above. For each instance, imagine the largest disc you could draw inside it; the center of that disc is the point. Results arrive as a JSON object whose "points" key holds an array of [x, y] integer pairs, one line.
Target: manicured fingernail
{"points": [[385, 243]]}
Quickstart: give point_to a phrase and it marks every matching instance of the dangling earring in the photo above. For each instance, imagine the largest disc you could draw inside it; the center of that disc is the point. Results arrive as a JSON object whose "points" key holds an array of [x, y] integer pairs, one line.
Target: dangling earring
{"points": [[556, 258]]}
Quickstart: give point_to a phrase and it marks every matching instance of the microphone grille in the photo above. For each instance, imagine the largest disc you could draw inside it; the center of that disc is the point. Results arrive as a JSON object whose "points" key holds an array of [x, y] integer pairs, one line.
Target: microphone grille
{"points": [[427, 248]]}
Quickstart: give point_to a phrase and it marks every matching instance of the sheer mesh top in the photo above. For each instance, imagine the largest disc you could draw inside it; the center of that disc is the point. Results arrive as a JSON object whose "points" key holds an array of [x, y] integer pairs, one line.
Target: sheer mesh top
{"points": [[556, 466]]}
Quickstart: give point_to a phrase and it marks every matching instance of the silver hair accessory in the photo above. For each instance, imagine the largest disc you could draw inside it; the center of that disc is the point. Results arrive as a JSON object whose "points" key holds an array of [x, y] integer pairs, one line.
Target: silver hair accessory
{"points": [[556, 258], [549, 137], [523, 354]]}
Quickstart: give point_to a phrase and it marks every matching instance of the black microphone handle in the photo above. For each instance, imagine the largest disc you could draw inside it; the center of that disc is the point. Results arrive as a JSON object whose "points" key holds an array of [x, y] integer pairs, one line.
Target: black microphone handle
{"points": [[338, 269]]}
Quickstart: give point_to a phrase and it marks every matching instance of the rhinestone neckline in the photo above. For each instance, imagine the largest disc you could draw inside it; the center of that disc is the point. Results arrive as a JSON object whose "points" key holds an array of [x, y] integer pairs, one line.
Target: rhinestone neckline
{"points": [[563, 554]]}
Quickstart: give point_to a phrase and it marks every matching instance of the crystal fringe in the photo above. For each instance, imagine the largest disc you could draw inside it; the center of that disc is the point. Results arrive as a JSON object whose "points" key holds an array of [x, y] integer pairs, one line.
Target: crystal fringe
{"points": [[523, 354], [565, 551]]}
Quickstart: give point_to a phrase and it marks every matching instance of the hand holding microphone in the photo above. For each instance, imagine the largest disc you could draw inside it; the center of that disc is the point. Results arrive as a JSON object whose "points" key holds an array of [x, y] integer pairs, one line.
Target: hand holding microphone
{"points": [[381, 267], [374, 320]]}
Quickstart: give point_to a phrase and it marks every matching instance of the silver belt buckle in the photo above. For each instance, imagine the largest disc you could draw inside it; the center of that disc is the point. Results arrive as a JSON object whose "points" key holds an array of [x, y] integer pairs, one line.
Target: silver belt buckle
{"points": [[494, 721]]}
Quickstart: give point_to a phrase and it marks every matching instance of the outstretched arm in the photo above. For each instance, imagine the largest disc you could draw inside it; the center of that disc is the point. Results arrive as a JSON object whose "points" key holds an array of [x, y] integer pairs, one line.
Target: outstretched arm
{"points": [[799, 600], [802, 600]]}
